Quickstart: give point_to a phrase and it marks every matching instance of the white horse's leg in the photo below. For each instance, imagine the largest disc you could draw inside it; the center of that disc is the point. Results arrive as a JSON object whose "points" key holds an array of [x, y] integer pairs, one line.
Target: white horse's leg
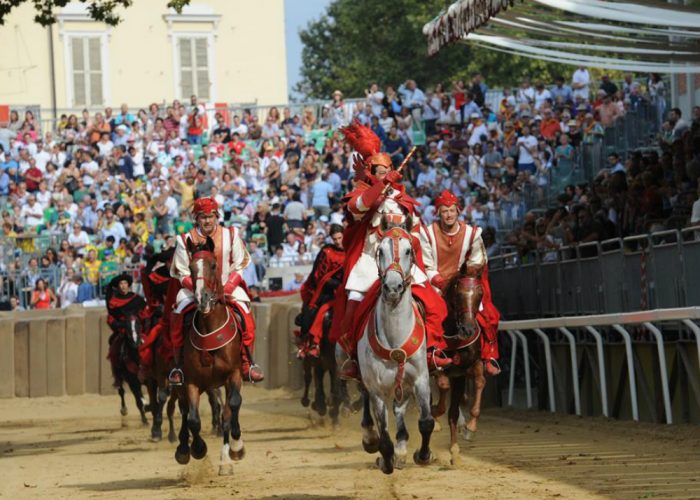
{"points": [[426, 423], [386, 446], [401, 433]]}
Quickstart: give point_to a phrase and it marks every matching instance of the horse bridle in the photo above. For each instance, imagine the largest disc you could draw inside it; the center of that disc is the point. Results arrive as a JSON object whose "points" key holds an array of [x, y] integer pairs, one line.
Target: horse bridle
{"points": [[210, 284], [396, 234]]}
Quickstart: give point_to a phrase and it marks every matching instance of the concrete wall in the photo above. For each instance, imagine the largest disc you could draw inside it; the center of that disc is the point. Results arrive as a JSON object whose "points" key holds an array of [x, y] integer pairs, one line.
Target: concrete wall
{"points": [[63, 352], [233, 27]]}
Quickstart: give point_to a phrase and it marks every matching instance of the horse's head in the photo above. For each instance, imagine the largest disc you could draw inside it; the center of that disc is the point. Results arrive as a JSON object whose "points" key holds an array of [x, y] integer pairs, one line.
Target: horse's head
{"points": [[465, 294], [395, 258], [208, 289]]}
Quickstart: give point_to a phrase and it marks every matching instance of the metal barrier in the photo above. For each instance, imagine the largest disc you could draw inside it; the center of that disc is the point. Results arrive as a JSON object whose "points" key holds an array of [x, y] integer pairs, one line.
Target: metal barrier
{"points": [[670, 329], [600, 277]]}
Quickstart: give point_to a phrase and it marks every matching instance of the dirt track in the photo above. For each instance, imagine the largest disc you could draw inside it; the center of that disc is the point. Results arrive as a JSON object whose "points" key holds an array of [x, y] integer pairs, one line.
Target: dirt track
{"points": [[81, 447]]}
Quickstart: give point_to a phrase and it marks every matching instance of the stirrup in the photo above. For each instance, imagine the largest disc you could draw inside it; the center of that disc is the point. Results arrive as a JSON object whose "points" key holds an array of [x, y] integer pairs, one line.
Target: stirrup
{"points": [[176, 377], [438, 360], [493, 364], [255, 374], [349, 370]]}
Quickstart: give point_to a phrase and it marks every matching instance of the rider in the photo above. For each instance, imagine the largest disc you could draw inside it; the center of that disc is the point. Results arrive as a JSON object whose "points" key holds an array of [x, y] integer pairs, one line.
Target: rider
{"points": [[379, 197], [318, 291], [232, 258], [453, 245], [155, 279], [122, 306]]}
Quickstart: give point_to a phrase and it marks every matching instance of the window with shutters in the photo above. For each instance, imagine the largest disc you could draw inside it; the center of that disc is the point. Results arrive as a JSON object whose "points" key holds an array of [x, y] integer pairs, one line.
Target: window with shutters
{"points": [[86, 71], [193, 56]]}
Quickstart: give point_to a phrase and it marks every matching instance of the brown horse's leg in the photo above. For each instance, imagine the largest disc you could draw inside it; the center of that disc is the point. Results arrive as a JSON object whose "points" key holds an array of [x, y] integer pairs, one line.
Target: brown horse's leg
{"points": [[477, 373], [214, 397], [172, 436], [237, 449], [226, 465], [194, 422], [182, 453], [458, 384], [443, 385]]}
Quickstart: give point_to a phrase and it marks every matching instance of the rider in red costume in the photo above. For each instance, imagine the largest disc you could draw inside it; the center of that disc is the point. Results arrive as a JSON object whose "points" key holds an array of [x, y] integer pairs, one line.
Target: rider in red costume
{"points": [[456, 244], [318, 291], [232, 257], [379, 199]]}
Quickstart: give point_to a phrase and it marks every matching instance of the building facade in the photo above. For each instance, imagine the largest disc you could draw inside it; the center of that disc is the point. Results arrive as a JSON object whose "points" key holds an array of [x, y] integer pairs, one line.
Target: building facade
{"points": [[230, 51]]}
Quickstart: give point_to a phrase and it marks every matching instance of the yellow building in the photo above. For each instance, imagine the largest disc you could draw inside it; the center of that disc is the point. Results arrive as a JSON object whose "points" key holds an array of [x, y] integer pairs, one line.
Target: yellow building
{"points": [[229, 51]]}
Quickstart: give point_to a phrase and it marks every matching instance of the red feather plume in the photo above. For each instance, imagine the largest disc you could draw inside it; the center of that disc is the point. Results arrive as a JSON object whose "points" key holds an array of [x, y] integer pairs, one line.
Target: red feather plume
{"points": [[362, 139]]}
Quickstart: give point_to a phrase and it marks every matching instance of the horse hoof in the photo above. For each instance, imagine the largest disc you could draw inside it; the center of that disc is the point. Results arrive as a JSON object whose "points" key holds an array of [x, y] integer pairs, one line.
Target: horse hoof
{"points": [[182, 457], [399, 461], [123, 410], [226, 470], [236, 455], [156, 435], [305, 402], [383, 466], [144, 421], [199, 449], [420, 461], [371, 446], [321, 410], [172, 437], [468, 435]]}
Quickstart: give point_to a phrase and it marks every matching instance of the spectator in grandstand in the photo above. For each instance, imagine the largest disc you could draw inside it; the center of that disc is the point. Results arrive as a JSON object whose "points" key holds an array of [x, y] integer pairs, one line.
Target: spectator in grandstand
{"points": [[42, 296]]}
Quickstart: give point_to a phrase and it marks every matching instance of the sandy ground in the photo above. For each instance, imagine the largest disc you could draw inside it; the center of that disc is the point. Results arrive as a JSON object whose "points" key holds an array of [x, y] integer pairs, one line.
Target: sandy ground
{"points": [[76, 447]]}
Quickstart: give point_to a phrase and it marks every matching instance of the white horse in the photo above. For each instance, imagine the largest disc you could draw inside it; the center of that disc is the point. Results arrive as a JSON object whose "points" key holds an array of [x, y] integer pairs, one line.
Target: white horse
{"points": [[392, 356]]}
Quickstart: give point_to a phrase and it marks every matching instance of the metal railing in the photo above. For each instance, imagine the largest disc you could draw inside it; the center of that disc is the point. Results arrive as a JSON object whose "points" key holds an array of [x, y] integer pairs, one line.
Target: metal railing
{"points": [[606, 330], [600, 277]]}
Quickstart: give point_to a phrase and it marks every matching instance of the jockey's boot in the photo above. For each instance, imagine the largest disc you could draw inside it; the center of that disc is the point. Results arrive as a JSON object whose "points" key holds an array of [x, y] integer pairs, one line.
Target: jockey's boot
{"points": [[491, 367], [176, 376], [438, 360], [251, 371], [313, 350], [347, 366]]}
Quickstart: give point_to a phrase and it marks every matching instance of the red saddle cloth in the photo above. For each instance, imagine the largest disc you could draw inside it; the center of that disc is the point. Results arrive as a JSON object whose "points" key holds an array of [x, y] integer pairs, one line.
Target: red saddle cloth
{"points": [[211, 341]]}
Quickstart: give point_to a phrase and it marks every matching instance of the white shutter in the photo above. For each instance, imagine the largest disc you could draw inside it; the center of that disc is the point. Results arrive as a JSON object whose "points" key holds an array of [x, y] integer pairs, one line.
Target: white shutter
{"points": [[202, 62], [95, 60], [79, 91], [87, 71], [194, 68]]}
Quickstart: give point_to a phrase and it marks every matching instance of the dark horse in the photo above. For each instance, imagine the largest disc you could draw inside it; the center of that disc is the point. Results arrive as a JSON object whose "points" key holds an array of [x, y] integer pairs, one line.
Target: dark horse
{"points": [[207, 368], [316, 368], [124, 358], [156, 276], [463, 297]]}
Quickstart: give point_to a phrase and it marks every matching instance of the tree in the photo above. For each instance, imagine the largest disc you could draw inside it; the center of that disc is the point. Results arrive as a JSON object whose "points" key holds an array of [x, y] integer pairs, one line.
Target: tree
{"points": [[100, 10], [357, 42]]}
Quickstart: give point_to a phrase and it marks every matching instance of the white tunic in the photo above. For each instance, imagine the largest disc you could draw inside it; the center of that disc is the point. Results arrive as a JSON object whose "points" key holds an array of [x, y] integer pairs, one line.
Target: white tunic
{"points": [[233, 257], [365, 271]]}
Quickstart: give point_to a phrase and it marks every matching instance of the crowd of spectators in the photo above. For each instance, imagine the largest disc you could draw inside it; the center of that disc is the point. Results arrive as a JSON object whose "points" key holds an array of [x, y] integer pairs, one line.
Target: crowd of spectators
{"points": [[110, 188]]}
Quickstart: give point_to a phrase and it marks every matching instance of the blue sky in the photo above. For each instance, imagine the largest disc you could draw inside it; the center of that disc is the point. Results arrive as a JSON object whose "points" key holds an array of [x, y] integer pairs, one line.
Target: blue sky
{"points": [[298, 13]]}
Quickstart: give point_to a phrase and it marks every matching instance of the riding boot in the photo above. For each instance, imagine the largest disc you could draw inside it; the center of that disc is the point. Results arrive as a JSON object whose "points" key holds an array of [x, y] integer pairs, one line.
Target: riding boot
{"points": [[491, 367], [348, 368], [438, 360], [176, 376], [251, 371]]}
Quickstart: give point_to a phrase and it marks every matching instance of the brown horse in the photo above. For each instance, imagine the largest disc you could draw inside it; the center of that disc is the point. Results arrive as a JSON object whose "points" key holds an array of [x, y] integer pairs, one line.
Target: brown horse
{"points": [[159, 393], [206, 368], [463, 297]]}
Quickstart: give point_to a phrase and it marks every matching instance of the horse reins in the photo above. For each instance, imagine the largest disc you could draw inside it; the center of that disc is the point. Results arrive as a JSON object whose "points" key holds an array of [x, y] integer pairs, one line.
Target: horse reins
{"points": [[395, 234]]}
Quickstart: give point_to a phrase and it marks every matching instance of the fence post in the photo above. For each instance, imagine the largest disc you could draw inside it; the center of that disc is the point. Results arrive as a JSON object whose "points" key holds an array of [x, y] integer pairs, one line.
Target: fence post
{"points": [[526, 361], [601, 369], [513, 352], [574, 368], [662, 368], [630, 370], [548, 360]]}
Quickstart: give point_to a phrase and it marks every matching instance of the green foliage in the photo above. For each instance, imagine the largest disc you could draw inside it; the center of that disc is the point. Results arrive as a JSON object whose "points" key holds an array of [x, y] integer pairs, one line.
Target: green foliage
{"points": [[360, 41], [100, 10]]}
